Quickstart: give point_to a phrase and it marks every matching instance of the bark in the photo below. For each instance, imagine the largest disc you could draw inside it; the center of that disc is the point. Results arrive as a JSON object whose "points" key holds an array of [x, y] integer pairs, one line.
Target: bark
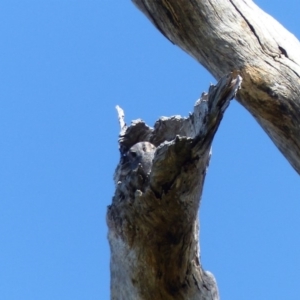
{"points": [[227, 35], [152, 221]]}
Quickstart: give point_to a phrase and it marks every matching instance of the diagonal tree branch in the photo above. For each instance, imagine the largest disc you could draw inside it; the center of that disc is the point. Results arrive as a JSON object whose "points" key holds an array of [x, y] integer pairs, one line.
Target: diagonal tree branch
{"points": [[232, 35], [153, 224]]}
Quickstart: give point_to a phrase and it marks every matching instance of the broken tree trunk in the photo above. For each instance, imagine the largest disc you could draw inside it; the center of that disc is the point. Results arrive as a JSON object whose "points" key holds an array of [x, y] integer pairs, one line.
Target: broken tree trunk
{"points": [[152, 221], [227, 35]]}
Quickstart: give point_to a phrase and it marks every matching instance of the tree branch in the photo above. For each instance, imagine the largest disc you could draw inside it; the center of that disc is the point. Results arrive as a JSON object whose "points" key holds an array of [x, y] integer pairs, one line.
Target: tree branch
{"points": [[237, 35], [153, 224]]}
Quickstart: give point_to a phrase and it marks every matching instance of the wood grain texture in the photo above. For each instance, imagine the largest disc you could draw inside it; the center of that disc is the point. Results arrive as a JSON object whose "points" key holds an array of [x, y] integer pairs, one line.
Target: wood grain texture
{"points": [[226, 35], [152, 221]]}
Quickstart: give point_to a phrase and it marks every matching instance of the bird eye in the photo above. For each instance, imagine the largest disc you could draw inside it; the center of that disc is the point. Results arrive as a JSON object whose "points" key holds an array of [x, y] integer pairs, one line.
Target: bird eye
{"points": [[133, 154]]}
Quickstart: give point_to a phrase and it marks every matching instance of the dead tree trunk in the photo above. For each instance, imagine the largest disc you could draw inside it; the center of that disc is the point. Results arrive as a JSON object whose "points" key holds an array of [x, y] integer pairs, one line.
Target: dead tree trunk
{"points": [[227, 35], [153, 226]]}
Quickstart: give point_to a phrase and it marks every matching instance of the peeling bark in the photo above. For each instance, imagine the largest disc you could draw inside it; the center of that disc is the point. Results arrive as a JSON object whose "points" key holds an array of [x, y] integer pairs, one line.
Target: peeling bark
{"points": [[152, 221], [232, 35]]}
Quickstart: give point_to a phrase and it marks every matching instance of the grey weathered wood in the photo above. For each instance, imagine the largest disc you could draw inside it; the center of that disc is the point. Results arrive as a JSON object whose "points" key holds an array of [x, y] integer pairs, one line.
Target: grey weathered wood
{"points": [[152, 221], [227, 35]]}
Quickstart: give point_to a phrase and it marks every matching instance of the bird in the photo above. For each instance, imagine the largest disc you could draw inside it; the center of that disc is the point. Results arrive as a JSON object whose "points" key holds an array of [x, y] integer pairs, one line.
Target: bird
{"points": [[138, 158]]}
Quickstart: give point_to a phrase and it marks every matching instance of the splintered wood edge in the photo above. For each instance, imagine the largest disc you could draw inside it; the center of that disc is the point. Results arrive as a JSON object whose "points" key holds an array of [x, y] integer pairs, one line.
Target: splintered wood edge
{"points": [[121, 118]]}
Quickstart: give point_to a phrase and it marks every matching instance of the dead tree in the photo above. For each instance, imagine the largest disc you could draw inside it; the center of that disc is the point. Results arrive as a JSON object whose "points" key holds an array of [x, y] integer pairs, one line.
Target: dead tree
{"points": [[226, 35], [153, 226]]}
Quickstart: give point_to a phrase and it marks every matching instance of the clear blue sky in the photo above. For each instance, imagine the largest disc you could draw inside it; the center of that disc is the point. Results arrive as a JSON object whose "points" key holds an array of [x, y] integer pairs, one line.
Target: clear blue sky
{"points": [[64, 66]]}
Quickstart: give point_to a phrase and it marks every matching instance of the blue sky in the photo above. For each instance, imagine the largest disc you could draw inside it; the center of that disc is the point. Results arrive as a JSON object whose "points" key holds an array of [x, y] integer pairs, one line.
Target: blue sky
{"points": [[64, 66]]}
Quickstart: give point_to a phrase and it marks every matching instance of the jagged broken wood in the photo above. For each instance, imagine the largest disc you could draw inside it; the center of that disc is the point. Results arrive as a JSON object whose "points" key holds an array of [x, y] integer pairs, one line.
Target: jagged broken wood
{"points": [[226, 35], [152, 221]]}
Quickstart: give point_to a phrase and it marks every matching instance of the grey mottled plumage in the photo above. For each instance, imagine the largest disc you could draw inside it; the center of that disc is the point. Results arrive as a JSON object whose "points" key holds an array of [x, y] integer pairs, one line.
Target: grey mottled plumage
{"points": [[140, 155]]}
